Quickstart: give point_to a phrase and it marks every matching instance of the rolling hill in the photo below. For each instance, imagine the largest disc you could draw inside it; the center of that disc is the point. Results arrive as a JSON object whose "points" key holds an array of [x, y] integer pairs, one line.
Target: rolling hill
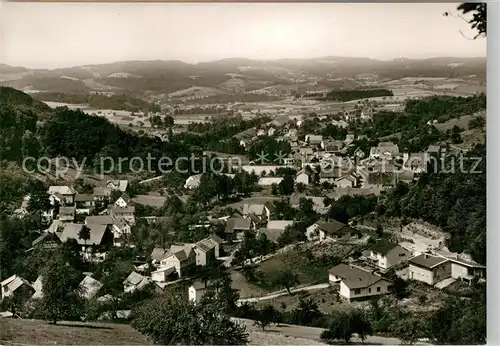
{"points": [[170, 76]]}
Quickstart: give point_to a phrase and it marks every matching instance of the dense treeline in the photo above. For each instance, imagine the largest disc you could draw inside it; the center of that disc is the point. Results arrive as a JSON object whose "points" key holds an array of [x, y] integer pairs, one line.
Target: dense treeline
{"points": [[451, 195], [117, 102], [74, 134], [348, 95]]}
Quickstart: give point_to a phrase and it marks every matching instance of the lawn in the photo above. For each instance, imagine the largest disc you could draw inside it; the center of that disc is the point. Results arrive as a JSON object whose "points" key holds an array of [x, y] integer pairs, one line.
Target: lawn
{"points": [[36, 332]]}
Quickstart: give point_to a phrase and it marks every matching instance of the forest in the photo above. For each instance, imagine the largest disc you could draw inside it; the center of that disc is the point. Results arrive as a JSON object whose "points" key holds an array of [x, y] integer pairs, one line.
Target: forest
{"points": [[348, 95], [116, 102]]}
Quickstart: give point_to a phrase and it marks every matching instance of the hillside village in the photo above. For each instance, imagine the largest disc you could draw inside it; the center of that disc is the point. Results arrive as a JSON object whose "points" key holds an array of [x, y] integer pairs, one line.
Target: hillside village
{"points": [[255, 215], [290, 201]]}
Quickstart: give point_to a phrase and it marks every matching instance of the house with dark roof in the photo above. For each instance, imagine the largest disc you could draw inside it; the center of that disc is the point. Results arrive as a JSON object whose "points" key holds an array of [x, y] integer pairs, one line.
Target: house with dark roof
{"points": [[237, 226], [357, 284], [99, 220], [429, 268], [330, 230], [386, 254]]}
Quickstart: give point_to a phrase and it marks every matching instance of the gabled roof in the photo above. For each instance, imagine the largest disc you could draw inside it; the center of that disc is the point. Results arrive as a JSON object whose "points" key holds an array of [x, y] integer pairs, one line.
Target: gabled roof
{"points": [[215, 238], [134, 278], [125, 197], [383, 247], [102, 192], [99, 220], [71, 230], [257, 209], [61, 189], [120, 222], [278, 224], [83, 197], [239, 224], [66, 210], [90, 287], [354, 277], [157, 254], [43, 237], [427, 261], [125, 210], [205, 245], [332, 227]]}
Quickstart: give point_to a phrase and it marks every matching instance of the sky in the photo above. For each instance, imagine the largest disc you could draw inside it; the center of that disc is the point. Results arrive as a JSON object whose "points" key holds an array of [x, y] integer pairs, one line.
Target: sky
{"points": [[54, 35]]}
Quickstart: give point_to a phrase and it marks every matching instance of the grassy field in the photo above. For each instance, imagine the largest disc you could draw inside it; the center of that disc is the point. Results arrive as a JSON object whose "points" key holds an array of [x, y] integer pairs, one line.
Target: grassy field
{"points": [[35, 332]]}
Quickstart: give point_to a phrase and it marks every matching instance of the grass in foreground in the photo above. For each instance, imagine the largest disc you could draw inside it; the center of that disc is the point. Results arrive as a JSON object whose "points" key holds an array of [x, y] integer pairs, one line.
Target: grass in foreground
{"points": [[36, 332]]}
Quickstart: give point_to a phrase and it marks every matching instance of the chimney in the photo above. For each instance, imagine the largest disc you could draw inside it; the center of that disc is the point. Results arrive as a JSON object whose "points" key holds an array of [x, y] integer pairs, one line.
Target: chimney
{"points": [[426, 256]]}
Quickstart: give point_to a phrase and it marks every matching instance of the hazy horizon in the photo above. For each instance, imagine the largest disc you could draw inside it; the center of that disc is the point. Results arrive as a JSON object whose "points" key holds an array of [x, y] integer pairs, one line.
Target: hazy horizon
{"points": [[61, 35]]}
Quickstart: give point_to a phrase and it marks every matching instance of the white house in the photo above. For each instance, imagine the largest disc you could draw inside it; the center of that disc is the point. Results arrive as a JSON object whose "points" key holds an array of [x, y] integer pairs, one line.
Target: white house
{"points": [[356, 283], [429, 268], [302, 178], [123, 201], [386, 254], [13, 285], [196, 292], [62, 193], [205, 252], [180, 258], [260, 210], [162, 274]]}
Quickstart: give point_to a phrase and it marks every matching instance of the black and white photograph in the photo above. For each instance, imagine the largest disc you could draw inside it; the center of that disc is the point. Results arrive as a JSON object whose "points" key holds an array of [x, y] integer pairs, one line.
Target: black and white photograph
{"points": [[243, 173]]}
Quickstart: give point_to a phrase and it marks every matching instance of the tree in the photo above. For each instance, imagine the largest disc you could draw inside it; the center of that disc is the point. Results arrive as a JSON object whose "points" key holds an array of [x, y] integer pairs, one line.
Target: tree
{"points": [[84, 234], [61, 292], [38, 203], [409, 328], [479, 15], [171, 319], [264, 317], [287, 278], [285, 187], [346, 323]]}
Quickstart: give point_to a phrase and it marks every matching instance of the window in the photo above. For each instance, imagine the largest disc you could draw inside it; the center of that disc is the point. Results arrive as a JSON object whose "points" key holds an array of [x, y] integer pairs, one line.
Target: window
{"points": [[369, 290], [402, 254], [378, 289], [357, 291]]}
